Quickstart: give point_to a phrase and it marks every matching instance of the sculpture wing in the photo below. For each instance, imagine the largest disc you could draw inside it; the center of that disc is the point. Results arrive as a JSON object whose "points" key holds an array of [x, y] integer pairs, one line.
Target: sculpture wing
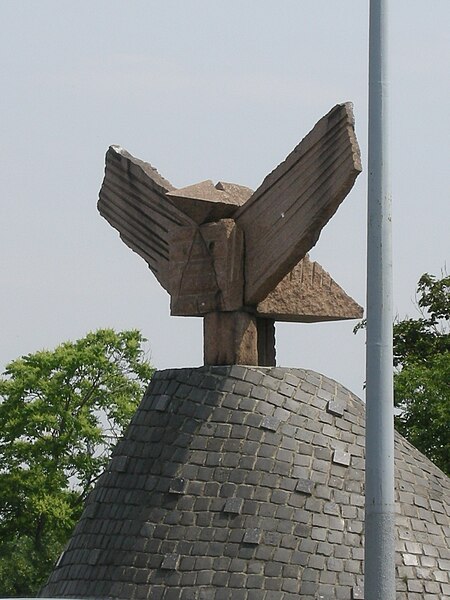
{"points": [[283, 219], [308, 294], [133, 200]]}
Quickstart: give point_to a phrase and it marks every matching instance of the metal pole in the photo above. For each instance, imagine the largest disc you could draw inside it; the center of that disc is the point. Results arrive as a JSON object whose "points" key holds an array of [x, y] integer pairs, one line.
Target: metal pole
{"points": [[379, 508]]}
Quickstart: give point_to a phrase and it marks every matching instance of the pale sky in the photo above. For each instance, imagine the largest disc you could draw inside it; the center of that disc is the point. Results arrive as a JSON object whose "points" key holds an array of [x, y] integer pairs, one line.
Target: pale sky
{"points": [[202, 89]]}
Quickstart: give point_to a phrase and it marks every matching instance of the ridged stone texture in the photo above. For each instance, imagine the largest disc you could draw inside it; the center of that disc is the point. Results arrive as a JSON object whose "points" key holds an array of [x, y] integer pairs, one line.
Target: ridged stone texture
{"points": [[237, 483]]}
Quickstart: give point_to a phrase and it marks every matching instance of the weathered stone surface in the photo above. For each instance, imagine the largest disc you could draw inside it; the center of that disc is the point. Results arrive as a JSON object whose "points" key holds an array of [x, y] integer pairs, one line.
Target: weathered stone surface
{"points": [[230, 338], [308, 294], [262, 511], [283, 219], [266, 342], [133, 200], [205, 202], [237, 194], [206, 269]]}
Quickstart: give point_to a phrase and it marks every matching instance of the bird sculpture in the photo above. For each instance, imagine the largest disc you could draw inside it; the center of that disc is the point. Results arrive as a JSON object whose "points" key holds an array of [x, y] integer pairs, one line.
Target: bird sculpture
{"points": [[235, 257]]}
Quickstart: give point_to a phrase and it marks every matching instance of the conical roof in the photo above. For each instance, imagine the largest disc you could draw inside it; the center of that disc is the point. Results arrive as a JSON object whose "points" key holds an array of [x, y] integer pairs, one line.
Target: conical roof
{"points": [[237, 483]]}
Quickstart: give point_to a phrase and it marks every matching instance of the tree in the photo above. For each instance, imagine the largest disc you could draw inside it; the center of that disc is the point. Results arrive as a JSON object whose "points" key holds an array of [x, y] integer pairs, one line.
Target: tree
{"points": [[61, 411], [422, 372]]}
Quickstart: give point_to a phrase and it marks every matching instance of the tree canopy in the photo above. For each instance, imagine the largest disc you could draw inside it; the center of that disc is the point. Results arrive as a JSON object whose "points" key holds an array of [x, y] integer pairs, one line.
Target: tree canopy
{"points": [[61, 411], [422, 371], [422, 376]]}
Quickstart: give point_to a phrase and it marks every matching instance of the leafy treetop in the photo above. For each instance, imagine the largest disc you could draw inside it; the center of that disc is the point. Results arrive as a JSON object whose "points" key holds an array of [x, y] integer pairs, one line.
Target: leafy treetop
{"points": [[60, 413], [422, 377], [420, 339], [422, 371]]}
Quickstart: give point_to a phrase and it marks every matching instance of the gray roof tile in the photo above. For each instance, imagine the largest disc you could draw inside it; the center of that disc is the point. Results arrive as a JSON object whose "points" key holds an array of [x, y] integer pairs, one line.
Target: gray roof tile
{"points": [[245, 483]]}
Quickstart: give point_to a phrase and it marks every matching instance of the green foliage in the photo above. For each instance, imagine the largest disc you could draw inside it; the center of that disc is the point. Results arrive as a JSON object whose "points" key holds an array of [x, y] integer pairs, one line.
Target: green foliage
{"points": [[422, 371], [422, 377], [422, 392], [421, 339], [61, 411]]}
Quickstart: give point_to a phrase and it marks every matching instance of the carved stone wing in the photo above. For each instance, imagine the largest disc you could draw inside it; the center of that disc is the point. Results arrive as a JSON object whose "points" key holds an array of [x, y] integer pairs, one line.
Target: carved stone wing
{"points": [[283, 218], [308, 294], [133, 200]]}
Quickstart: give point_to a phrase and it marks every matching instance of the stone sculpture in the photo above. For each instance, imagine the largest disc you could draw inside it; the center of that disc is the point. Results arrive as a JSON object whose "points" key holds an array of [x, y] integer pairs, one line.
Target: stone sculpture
{"points": [[235, 257]]}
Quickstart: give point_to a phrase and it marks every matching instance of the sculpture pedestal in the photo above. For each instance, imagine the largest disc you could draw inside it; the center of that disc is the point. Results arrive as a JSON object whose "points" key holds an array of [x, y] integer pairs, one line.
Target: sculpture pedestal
{"points": [[246, 483], [238, 338]]}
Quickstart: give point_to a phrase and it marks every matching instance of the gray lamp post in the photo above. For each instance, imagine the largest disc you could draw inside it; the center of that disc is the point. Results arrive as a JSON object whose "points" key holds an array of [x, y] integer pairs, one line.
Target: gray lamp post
{"points": [[379, 508]]}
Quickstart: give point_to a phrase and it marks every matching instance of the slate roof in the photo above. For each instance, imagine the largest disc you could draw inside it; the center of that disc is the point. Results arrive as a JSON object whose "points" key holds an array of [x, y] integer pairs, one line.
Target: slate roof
{"points": [[237, 483]]}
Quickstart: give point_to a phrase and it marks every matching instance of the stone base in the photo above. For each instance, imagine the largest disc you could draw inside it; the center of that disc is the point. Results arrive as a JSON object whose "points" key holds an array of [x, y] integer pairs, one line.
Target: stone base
{"points": [[237, 483], [238, 338]]}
